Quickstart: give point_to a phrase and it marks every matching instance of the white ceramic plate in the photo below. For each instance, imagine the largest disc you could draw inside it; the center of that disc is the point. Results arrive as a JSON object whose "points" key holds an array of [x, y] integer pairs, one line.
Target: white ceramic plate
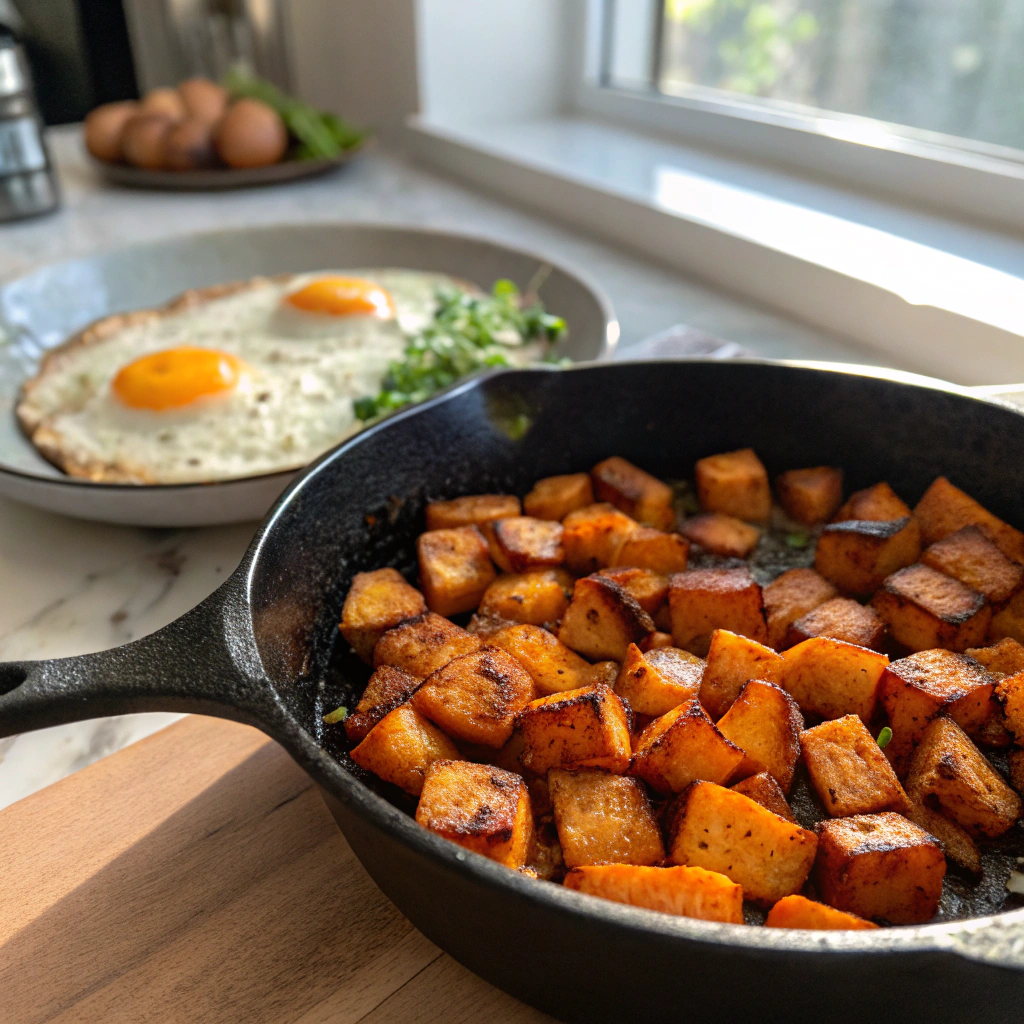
{"points": [[40, 310]]}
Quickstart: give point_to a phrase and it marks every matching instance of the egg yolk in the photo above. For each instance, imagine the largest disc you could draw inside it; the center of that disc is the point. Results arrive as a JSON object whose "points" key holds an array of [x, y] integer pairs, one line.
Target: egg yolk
{"points": [[343, 296], [176, 377]]}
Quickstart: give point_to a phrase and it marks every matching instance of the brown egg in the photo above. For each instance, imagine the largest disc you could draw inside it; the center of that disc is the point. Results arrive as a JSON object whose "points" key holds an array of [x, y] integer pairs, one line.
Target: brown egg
{"points": [[164, 101], [189, 146], [104, 127], [145, 140], [251, 134], [203, 99]]}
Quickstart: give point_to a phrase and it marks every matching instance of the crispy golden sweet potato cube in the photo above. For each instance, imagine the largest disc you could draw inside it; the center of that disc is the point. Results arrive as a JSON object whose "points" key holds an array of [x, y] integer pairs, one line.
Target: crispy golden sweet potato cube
{"points": [[950, 774], [798, 911], [876, 504], [1005, 657], [830, 678], [732, 661], [662, 552], [735, 483], [842, 618], [722, 830], [703, 600], [422, 645], [401, 747], [970, 557], [880, 866], [388, 687], [641, 496], [944, 509], [681, 746], [765, 723], [1016, 762], [924, 608], [605, 672], [721, 534], [472, 510], [555, 497], [858, 554], [535, 597], [455, 569], [957, 845], [649, 589], [476, 697], [790, 597], [848, 771], [584, 728], [764, 790], [654, 682], [1010, 693], [482, 808], [685, 891], [603, 819], [593, 537], [377, 601], [602, 620], [522, 543], [810, 496]]}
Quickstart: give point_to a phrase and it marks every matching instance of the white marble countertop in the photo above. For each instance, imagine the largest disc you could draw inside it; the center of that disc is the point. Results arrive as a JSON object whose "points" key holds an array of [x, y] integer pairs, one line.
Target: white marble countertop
{"points": [[73, 587]]}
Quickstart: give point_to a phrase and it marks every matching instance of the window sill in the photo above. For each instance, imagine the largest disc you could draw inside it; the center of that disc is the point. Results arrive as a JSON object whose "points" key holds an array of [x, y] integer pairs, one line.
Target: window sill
{"points": [[942, 297]]}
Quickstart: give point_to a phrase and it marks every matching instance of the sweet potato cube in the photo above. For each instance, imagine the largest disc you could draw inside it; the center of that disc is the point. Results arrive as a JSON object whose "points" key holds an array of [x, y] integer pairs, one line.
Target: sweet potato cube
{"points": [[603, 819], [848, 771], [1010, 692], [685, 891], [798, 911], [472, 510], [641, 496], [703, 600], [655, 682], [924, 608], [810, 496], [592, 537], [876, 504], [584, 728], [552, 666], [764, 790], [1015, 758], [970, 557], [765, 723], [858, 554], [951, 775], [388, 687], [735, 483], [721, 534], [522, 543], [681, 746], [476, 697], [649, 589], [422, 645], [377, 601], [482, 808], [657, 639], [555, 497], [602, 620], [535, 597], [455, 569], [722, 830], [790, 597], [842, 618], [401, 747], [662, 552], [1005, 657], [944, 509], [829, 678], [732, 661], [957, 845], [880, 866], [1008, 620]]}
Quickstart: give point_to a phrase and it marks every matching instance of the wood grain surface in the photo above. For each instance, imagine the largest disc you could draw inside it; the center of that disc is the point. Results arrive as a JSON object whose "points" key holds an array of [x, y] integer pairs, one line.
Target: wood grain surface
{"points": [[197, 876]]}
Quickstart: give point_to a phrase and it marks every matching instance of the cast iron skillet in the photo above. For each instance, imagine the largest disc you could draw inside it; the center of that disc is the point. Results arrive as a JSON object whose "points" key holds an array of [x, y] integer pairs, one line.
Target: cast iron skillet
{"points": [[264, 646]]}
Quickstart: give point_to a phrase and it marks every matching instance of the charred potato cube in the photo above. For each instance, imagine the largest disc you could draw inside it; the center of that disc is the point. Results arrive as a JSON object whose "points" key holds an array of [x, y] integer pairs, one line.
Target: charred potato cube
{"points": [[877, 504], [858, 554], [810, 496], [1005, 657], [654, 682], [593, 537], [841, 619], [522, 543], [641, 496], [649, 589], [703, 600], [401, 747], [482, 808], [602, 620], [736, 484], [764, 790], [732, 661], [848, 771], [1010, 692], [422, 645], [476, 698], [684, 891], [603, 819], [880, 866], [722, 535], [377, 601], [555, 497], [970, 557], [722, 830], [661, 552], [798, 911], [584, 728], [924, 609], [535, 597], [455, 569], [829, 678], [388, 687], [790, 597], [957, 845], [472, 510]]}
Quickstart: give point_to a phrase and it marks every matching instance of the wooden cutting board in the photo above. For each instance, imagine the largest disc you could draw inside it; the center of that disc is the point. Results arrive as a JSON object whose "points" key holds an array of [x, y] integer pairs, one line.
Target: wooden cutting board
{"points": [[197, 876]]}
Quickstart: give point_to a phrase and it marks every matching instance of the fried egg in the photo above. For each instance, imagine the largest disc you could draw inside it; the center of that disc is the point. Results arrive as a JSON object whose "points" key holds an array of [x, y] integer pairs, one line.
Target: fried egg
{"points": [[235, 381]]}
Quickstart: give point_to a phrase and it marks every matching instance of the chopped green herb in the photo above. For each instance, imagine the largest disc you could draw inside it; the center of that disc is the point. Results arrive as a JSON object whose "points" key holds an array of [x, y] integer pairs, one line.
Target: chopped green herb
{"points": [[884, 737], [797, 540], [336, 716]]}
